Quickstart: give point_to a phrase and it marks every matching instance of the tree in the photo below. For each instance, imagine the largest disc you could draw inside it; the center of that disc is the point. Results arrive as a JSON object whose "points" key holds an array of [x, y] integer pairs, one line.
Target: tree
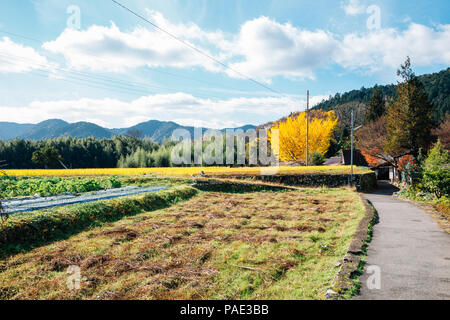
{"points": [[47, 156], [135, 133], [318, 159], [376, 107], [443, 132], [409, 116], [292, 135], [370, 140], [436, 171]]}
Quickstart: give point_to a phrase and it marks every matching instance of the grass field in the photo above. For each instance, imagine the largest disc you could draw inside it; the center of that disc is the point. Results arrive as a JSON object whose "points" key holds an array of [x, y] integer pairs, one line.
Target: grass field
{"points": [[271, 245], [188, 171]]}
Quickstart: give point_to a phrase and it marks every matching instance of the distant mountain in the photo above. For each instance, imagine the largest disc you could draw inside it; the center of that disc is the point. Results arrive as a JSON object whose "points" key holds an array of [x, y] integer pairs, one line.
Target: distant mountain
{"points": [[158, 131], [83, 130], [243, 128], [437, 87], [154, 129], [44, 130], [9, 130]]}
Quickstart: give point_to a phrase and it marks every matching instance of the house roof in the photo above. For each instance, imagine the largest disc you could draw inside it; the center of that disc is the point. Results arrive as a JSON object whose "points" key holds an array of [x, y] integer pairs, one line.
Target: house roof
{"points": [[333, 161]]}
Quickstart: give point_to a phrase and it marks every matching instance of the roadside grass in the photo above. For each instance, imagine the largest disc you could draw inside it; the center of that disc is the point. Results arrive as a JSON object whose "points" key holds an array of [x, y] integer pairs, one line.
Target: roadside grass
{"points": [[261, 245], [356, 287]]}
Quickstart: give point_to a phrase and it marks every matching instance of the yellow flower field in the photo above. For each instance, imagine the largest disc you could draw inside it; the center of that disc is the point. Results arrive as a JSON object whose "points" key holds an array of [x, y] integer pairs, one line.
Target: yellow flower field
{"points": [[189, 171]]}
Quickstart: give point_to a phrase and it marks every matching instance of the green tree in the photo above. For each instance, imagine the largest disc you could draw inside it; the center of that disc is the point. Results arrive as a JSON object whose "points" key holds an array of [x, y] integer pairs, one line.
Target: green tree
{"points": [[376, 107], [409, 116], [436, 171], [47, 156], [318, 159]]}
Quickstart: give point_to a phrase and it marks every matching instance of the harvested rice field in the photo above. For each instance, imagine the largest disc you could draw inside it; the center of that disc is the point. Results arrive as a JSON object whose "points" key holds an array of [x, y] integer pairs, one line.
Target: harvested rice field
{"points": [[262, 245]]}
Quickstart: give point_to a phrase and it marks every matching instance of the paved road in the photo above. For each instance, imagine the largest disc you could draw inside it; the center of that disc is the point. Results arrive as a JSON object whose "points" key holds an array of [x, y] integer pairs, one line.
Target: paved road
{"points": [[412, 251]]}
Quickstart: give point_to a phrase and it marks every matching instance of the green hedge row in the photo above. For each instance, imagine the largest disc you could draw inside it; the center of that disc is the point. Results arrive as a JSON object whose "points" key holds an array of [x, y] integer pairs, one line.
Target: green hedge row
{"points": [[25, 231], [214, 185], [366, 181]]}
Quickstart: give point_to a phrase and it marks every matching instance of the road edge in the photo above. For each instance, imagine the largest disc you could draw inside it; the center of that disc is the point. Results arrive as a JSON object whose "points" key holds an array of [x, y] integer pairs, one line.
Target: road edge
{"points": [[346, 283]]}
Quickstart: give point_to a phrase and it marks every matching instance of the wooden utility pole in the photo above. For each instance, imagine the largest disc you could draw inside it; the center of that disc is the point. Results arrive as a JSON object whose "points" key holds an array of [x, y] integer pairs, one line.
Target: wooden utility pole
{"points": [[307, 128], [352, 150]]}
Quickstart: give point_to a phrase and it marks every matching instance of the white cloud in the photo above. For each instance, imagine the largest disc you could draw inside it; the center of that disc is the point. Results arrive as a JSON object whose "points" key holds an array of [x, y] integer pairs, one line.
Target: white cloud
{"points": [[272, 49], [180, 107], [352, 7], [262, 49], [102, 48], [389, 48], [16, 58]]}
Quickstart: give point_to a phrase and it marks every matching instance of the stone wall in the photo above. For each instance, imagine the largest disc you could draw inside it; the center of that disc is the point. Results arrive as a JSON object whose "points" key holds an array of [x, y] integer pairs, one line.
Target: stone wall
{"points": [[364, 182]]}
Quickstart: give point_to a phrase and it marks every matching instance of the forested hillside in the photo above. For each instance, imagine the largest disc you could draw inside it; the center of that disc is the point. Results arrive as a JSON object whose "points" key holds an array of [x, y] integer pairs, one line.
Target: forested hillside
{"points": [[437, 86], [75, 152]]}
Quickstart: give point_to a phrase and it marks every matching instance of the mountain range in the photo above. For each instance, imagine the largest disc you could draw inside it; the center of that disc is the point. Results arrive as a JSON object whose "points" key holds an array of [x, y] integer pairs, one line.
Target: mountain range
{"points": [[158, 131], [437, 87]]}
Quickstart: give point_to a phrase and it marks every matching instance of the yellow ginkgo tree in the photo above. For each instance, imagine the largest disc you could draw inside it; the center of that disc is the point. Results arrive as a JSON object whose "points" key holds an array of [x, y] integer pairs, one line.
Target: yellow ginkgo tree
{"points": [[292, 135]]}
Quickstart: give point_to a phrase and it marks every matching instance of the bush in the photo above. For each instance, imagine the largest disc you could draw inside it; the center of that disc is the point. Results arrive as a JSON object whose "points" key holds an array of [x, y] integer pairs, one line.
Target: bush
{"points": [[30, 230], [443, 206], [437, 182], [318, 159], [436, 171]]}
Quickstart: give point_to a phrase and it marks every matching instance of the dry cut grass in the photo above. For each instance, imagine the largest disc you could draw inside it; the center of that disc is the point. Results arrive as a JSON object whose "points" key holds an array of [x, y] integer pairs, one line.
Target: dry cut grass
{"points": [[216, 246]]}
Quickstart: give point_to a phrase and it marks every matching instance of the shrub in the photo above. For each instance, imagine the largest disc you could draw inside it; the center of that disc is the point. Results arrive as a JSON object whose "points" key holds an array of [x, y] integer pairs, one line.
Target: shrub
{"points": [[443, 206], [318, 159], [437, 182], [436, 171]]}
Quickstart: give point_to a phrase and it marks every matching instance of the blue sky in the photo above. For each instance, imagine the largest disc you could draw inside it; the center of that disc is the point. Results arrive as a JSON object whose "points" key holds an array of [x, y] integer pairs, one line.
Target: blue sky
{"points": [[113, 69]]}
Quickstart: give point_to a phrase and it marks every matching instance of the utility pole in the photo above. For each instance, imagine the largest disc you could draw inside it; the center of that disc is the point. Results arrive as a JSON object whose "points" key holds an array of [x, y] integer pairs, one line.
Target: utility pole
{"points": [[352, 151], [307, 128]]}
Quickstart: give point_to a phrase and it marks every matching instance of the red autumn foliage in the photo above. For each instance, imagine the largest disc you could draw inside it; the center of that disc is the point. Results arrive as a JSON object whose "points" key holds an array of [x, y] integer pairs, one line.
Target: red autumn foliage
{"points": [[404, 161]]}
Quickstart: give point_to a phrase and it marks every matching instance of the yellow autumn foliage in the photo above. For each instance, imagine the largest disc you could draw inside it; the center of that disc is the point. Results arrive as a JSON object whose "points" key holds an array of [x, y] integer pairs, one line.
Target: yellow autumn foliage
{"points": [[292, 135], [182, 171]]}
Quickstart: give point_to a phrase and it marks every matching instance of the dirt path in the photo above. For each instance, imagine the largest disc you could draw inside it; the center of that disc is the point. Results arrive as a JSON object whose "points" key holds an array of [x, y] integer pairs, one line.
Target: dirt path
{"points": [[410, 249]]}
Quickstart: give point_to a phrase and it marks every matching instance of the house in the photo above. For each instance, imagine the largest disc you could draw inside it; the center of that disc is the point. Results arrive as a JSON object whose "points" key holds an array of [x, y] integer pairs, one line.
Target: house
{"points": [[358, 158], [384, 170], [333, 161]]}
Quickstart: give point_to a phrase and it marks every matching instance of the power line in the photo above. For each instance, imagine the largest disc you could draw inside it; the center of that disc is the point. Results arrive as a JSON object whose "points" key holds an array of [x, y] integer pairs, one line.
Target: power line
{"points": [[134, 82], [89, 78], [196, 49], [20, 36]]}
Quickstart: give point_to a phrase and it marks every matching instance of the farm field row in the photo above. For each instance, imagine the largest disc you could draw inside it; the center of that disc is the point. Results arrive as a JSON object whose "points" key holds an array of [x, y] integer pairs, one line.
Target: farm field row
{"points": [[45, 186], [189, 171], [261, 245]]}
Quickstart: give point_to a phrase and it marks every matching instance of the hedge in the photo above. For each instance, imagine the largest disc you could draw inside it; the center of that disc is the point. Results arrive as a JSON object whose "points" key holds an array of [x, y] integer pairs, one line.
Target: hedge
{"points": [[26, 231], [364, 182], [230, 186]]}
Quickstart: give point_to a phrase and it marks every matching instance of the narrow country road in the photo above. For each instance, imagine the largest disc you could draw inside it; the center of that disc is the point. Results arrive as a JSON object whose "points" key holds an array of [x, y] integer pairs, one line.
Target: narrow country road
{"points": [[410, 249]]}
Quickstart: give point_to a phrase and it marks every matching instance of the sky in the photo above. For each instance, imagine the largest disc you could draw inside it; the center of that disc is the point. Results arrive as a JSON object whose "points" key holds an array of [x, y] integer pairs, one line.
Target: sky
{"points": [[223, 63]]}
